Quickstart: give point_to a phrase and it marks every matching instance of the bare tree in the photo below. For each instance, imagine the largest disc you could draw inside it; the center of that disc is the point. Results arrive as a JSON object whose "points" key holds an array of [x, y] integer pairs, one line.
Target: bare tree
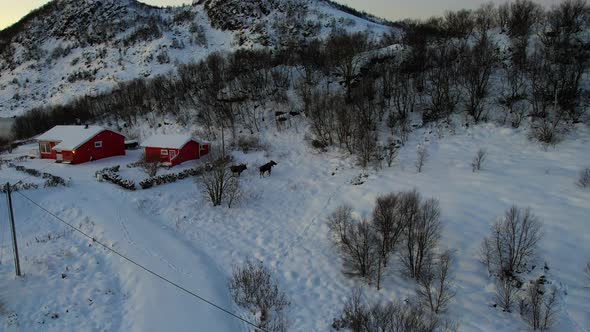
{"points": [[421, 233], [220, 186], [391, 152], [421, 157], [485, 17], [476, 70], [388, 226], [524, 14], [442, 80], [540, 306], [506, 294], [478, 160], [354, 313], [435, 290], [345, 56], [357, 243], [253, 287], [513, 242], [513, 95]]}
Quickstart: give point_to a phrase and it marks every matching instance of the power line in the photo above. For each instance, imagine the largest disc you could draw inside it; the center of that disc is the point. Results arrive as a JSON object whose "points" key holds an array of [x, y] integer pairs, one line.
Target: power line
{"points": [[143, 267]]}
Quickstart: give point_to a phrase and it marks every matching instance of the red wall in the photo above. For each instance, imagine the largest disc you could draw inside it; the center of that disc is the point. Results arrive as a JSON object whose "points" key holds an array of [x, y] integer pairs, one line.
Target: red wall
{"points": [[113, 144], [48, 155], [189, 151], [155, 155]]}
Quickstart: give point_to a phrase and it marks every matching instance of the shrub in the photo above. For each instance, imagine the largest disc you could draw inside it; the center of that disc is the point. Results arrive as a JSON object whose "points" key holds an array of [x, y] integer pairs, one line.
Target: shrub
{"points": [[248, 143], [506, 294], [358, 316], [220, 186], [357, 243], [110, 174], [478, 160], [19, 186], [422, 156], [584, 180], [539, 305], [253, 288], [513, 242], [54, 181], [169, 178]]}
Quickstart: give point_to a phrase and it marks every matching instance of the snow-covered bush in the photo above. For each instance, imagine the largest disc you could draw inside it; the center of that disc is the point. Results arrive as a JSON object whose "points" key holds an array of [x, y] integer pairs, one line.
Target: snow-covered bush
{"points": [[54, 181], [253, 287], [19, 186], [111, 175], [506, 293], [513, 242], [169, 178], [478, 160], [358, 316], [584, 180], [50, 179], [539, 306]]}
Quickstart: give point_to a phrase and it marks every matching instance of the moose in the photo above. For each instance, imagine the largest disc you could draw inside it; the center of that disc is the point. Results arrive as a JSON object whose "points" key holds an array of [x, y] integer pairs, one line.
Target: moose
{"points": [[267, 168], [238, 169]]}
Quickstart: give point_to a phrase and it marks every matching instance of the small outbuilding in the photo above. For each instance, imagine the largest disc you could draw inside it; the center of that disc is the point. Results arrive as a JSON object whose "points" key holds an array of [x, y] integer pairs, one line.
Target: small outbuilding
{"points": [[80, 144], [174, 149]]}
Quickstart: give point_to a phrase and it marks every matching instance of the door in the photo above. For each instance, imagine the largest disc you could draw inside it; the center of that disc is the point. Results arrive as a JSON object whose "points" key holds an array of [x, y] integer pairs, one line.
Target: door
{"points": [[59, 157], [172, 154]]}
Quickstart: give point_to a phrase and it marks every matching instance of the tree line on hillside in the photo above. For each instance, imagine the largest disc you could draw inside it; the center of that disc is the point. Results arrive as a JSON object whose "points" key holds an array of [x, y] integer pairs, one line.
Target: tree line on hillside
{"points": [[347, 85]]}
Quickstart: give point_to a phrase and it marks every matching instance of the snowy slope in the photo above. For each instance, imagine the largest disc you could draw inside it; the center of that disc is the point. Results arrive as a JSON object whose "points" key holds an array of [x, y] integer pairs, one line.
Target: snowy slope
{"points": [[282, 221], [89, 48]]}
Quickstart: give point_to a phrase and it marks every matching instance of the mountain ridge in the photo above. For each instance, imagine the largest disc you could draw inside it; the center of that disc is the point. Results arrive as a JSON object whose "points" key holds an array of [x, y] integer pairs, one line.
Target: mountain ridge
{"points": [[64, 49]]}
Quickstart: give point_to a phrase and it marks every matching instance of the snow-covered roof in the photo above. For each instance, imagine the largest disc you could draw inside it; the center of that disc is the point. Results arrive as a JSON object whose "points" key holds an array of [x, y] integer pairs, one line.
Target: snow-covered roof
{"points": [[167, 141], [70, 137]]}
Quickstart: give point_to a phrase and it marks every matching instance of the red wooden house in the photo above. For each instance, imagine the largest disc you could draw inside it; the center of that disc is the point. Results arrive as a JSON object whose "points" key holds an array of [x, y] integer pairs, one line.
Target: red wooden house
{"points": [[173, 149], [79, 144]]}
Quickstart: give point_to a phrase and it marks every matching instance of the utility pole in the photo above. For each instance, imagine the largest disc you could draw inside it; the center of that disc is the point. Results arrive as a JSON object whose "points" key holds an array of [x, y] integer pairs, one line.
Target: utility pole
{"points": [[13, 230]]}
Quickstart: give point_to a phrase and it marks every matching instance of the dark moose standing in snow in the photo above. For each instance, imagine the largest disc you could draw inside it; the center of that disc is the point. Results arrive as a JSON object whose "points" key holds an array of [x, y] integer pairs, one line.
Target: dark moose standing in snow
{"points": [[238, 169], [267, 168]]}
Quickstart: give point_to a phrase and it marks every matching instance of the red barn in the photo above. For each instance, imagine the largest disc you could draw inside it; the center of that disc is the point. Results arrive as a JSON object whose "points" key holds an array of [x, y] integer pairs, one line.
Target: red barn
{"points": [[79, 144], [173, 149]]}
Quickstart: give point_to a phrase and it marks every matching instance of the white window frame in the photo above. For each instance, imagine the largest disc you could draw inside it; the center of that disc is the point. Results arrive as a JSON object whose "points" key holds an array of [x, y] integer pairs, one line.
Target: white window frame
{"points": [[98, 144], [45, 147], [164, 152]]}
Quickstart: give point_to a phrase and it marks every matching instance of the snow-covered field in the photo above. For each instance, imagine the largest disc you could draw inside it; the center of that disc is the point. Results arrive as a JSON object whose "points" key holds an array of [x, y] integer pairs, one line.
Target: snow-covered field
{"points": [[172, 230]]}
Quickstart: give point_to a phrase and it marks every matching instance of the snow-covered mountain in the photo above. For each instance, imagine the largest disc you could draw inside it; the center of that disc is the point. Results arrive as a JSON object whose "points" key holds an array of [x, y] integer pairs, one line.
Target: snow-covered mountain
{"points": [[70, 48]]}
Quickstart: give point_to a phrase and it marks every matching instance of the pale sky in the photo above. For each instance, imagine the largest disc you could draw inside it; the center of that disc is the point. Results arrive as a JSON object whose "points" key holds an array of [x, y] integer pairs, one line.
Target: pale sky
{"points": [[12, 10]]}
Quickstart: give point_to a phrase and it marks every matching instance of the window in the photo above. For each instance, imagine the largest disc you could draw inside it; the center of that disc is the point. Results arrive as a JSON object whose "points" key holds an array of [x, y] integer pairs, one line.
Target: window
{"points": [[164, 152], [98, 144], [45, 147]]}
